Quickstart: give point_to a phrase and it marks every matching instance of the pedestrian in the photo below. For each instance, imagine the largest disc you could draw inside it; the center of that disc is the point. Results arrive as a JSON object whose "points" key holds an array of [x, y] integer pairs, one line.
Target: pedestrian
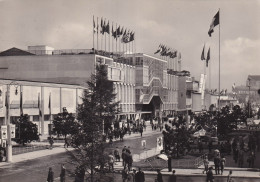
{"points": [[210, 146], [116, 153], [62, 173], [210, 177], [159, 176], [66, 143], [111, 161], [235, 155], [222, 163], [51, 142], [251, 159], [200, 146], [80, 174], [130, 161], [230, 179], [50, 177], [206, 164], [139, 177], [217, 163], [169, 162], [128, 150], [173, 177], [133, 174], [125, 174], [141, 130], [124, 158], [240, 158]]}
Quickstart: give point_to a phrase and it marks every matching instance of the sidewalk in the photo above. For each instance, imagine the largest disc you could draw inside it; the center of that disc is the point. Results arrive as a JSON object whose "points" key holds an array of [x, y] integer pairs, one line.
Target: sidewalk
{"points": [[58, 148]]}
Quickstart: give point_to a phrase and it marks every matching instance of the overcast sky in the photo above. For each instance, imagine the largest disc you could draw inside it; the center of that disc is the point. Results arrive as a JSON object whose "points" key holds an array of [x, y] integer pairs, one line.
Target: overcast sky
{"points": [[179, 24]]}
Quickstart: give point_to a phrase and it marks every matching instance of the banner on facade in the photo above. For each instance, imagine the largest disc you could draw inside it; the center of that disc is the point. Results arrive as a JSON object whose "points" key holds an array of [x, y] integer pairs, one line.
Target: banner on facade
{"points": [[3, 132]]}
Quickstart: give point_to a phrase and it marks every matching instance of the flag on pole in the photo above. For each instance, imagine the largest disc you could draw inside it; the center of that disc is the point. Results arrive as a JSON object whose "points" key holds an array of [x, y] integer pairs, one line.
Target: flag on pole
{"points": [[94, 25], [101, 25], [21, 103], [107, 28], [39, 105], [208, 58], [49, 106], [202, 54], [215, 22], [233, 87], [132, 37], [159, 49]]}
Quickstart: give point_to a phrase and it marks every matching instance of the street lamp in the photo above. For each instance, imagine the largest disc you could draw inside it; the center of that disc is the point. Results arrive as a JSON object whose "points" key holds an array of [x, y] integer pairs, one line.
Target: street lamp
{"points": [[8, 123]]}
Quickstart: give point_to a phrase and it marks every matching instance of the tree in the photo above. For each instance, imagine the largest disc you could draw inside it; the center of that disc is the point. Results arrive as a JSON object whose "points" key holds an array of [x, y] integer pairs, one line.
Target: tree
{"points": [[176, 141], [98, 104], [25, 130], [64, 124]]}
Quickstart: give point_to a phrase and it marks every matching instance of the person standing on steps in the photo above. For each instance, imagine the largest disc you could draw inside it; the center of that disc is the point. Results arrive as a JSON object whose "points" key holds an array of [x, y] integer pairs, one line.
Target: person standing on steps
{"points": [[50, 177], [159, 176], [62, 173], [210, 177], [173, 177], [139, 177]]}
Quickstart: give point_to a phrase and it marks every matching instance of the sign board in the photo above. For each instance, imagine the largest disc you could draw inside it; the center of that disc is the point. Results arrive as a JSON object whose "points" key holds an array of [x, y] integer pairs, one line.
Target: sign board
{"points": [[12, 128], [143, 143], [4, 132], [159, 143], [3, 144]]}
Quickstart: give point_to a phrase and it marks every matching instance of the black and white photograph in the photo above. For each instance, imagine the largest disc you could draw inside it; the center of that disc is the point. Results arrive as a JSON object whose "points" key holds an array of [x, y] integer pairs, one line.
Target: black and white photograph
{"points": [[129, 90]]}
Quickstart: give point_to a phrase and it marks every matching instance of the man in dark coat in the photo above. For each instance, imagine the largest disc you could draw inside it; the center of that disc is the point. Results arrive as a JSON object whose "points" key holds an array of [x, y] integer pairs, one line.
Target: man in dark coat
{"points": [[139, 177], [50, 177], [159, 176], [62, 173], [173, 177]]}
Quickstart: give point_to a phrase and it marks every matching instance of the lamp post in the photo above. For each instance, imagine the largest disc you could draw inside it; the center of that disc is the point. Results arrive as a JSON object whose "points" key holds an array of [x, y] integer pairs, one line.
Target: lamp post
{"points": [[9, 155]]}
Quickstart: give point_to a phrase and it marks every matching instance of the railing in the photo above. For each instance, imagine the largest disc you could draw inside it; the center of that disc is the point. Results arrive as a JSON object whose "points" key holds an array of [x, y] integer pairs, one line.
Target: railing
{"points": [[199, 160], [30, 148]]}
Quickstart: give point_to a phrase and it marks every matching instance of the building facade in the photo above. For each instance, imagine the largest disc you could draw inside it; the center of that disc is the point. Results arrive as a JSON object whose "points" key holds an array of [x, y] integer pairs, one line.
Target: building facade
{"points": [[143, 83]]}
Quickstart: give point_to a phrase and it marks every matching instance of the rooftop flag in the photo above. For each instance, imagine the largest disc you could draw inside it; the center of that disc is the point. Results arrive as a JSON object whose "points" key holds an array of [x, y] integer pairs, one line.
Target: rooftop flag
{"points": [[208, 58], [159, 49], [202, 54], [215, 22], [132, 36]]}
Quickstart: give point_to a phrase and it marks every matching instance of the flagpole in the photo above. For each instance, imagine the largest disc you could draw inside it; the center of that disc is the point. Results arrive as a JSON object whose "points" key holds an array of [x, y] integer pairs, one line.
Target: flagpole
{"points": [[105, 38], [112, 39], [97, 33], [116, 37], [93, 34], [219, 63], [109, 40]]}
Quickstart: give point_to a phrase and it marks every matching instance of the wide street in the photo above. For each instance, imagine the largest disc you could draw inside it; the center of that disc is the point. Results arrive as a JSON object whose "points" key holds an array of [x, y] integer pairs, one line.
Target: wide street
{"points": [[37, 169]]}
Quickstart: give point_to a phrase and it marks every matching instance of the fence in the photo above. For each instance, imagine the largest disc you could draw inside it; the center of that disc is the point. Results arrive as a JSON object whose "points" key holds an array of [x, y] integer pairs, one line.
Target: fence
{"points": [[26, 149]]}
